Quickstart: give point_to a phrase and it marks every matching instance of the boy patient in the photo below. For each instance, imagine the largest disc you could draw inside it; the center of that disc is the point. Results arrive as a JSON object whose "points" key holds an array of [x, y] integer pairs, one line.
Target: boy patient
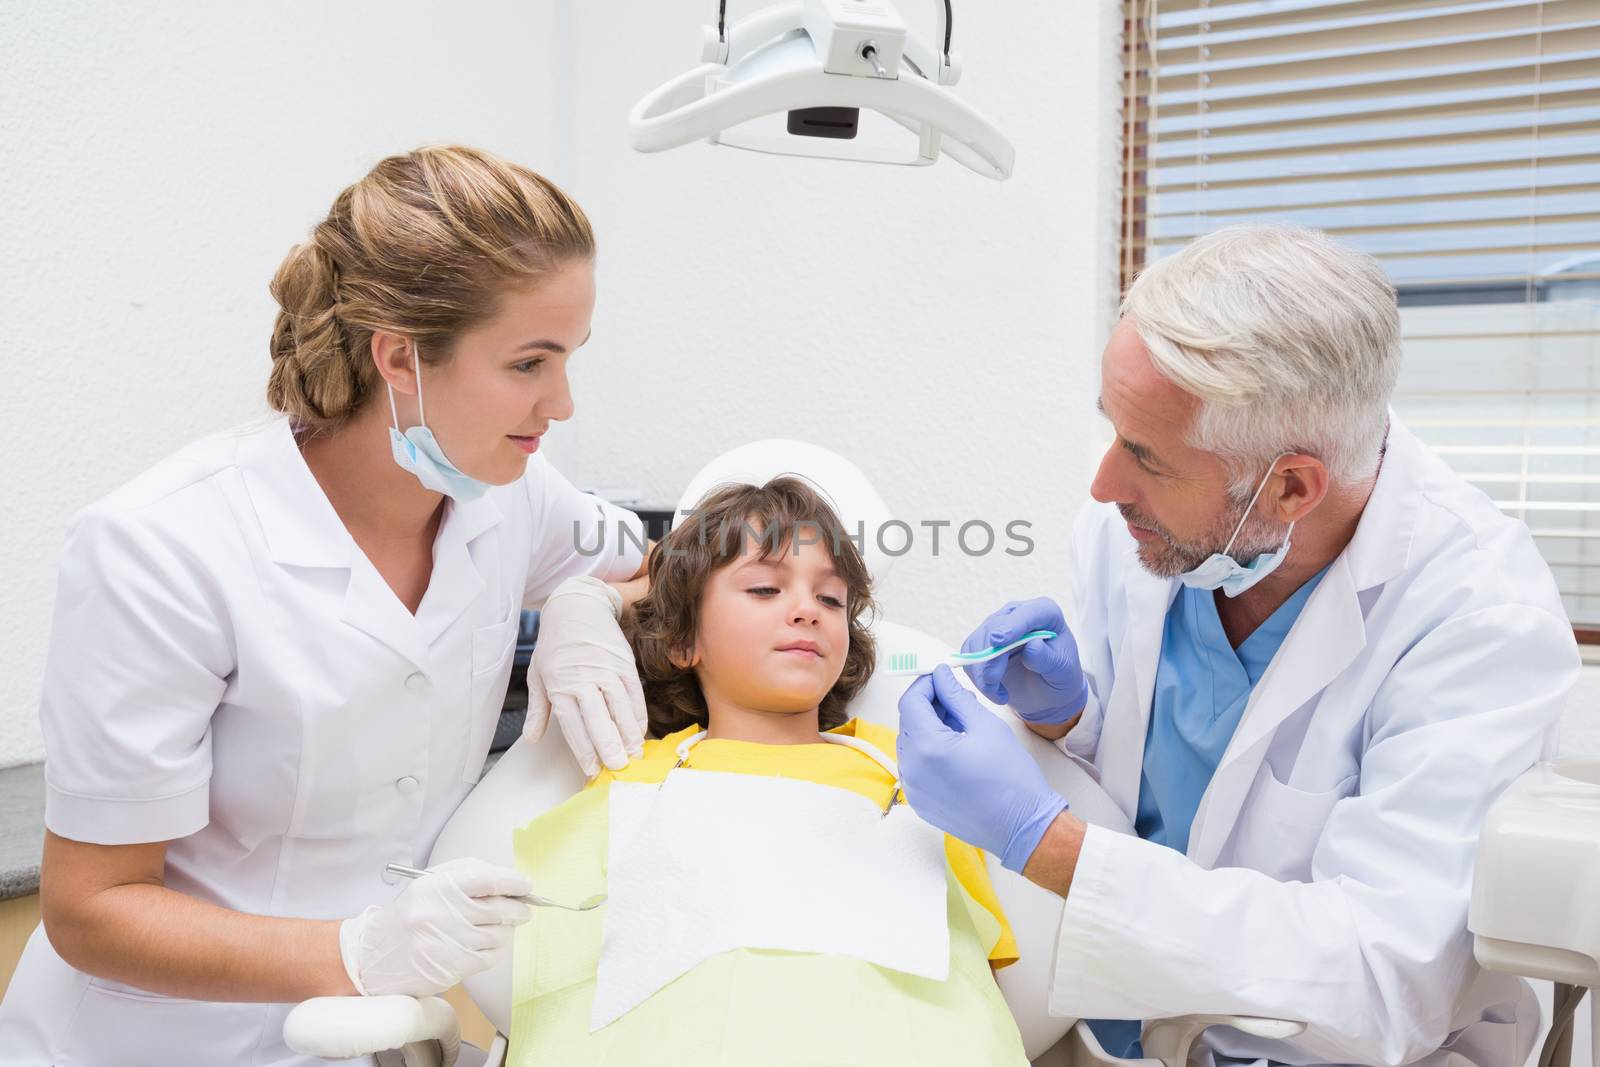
{"points": [[754, 631]]}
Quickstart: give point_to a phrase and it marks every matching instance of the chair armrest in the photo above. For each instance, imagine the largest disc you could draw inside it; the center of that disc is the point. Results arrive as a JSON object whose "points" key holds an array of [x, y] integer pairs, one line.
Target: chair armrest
{"points": [[1169, 1040], [341, 1028]]}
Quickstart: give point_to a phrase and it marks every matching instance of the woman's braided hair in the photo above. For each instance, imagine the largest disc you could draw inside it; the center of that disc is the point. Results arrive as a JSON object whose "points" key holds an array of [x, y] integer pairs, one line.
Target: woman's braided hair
{"points": [[424, 245]]}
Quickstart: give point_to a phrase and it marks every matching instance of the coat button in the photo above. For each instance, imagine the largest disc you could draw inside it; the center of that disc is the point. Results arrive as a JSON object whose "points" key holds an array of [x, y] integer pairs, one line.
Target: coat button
{"points": [[416, 681], [407, 784]]}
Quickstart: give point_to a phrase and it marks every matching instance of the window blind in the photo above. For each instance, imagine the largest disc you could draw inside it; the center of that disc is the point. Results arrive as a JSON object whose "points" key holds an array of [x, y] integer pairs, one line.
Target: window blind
{"points": [[1458, 141]]}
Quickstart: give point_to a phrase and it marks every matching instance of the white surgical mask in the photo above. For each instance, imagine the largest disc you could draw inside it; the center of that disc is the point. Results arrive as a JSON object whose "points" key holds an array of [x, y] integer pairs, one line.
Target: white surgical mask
{"points": [[1222, 571], [418, 452]]}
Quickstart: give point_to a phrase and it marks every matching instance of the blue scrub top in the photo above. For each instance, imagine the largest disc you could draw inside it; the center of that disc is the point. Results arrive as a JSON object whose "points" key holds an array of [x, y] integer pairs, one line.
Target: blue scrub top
{"points": [[1202, 686]]}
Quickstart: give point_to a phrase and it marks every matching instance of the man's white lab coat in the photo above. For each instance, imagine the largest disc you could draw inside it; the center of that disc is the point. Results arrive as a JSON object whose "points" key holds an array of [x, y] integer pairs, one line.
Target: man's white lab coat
{"points": [[1330, 862]]}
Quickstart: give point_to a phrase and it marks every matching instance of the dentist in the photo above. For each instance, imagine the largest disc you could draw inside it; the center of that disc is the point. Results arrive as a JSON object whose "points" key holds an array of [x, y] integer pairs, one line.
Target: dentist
{"points": [[1307, 656], [278, 657]]}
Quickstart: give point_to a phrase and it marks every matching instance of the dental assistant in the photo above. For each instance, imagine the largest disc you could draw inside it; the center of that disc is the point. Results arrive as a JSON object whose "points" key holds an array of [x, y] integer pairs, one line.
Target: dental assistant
{"points": [[1305, 658], [279, 656]]}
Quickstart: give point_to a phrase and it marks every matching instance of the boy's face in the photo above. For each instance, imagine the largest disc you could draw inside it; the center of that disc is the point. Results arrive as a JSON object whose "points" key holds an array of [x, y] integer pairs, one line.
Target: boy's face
{"points": [[773, 633]]}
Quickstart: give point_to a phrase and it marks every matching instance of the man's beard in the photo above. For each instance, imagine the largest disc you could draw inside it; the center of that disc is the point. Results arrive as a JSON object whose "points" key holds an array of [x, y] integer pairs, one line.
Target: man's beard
{"points": [[1174, 557]]}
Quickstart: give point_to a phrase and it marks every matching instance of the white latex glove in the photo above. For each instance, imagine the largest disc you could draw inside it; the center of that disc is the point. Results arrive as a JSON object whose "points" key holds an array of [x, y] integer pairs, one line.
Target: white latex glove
{"points": [[442, 928], [583, 670]]}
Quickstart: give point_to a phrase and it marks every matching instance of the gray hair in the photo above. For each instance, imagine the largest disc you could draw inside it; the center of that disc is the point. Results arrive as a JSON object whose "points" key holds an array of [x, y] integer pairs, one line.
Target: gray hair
{"points": [[1290, 341]]}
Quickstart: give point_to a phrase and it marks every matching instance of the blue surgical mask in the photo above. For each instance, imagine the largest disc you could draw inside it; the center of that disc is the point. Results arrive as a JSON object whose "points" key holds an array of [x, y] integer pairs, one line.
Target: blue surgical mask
{"points": [[1222, 571], [418, 452]]}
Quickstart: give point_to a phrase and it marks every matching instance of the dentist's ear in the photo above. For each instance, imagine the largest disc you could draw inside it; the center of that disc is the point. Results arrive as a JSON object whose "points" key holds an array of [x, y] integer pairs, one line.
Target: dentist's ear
{"points": [[393, 356], [1299, 483]]}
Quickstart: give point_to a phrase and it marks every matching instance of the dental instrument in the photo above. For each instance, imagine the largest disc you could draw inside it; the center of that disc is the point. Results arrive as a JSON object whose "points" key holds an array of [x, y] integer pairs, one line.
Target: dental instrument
{"points": [[532, 899], [906, 663], [1045, 683], [795, 78]]}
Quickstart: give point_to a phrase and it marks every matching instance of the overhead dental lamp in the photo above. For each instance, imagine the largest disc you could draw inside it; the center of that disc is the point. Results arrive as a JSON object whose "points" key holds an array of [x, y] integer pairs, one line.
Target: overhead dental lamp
{"points": [[839, 79]]}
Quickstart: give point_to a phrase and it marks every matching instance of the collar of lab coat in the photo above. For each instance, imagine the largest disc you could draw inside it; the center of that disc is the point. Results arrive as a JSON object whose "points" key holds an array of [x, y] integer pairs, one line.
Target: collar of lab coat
{"points": [[300, 525], [1326, 639], [1381, 547], [303, 530]]}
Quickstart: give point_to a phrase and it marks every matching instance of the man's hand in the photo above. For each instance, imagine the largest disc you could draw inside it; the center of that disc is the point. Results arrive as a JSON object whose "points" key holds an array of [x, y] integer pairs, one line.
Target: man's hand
{"points": [[1042, 680], [966, 773]]}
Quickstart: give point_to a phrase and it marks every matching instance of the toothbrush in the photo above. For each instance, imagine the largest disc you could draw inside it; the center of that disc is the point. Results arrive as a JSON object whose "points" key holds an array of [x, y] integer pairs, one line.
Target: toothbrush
{"points": [[905, 663]]}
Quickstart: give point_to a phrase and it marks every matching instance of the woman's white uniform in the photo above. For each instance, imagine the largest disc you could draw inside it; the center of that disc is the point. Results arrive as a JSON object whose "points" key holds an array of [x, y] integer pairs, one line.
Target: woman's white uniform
{"points": [[228, 672]]}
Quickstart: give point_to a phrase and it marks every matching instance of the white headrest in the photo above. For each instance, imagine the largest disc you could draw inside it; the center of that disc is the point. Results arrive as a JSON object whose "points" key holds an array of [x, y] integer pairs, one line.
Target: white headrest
{"points": [[840, 482]]}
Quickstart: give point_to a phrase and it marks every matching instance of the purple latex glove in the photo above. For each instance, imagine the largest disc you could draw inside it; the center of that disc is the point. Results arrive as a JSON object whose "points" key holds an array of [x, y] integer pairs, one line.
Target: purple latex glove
{"points": [[1041, 681], [965, 772]]}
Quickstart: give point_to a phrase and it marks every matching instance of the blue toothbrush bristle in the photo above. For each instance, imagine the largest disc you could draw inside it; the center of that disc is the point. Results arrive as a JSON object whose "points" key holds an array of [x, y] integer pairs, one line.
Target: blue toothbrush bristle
{"points": [[903, 661]]}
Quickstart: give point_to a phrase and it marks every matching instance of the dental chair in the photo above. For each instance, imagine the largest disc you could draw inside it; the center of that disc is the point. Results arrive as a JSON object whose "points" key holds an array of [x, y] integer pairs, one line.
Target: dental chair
{"points": [[529, 779]]}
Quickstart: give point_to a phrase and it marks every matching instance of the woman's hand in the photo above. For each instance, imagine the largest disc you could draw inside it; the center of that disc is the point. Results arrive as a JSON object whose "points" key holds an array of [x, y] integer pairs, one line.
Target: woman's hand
{"points": [[583, 671], [108, 913], [442, 928]]}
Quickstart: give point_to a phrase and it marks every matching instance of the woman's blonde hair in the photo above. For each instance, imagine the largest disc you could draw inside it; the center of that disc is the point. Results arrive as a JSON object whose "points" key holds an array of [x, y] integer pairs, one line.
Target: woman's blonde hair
{"points": [[424, 245]]}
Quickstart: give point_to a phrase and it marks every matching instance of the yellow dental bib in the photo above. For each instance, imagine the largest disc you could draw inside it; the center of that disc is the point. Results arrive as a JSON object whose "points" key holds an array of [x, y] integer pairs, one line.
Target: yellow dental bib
{"points": [[745, 1006]]}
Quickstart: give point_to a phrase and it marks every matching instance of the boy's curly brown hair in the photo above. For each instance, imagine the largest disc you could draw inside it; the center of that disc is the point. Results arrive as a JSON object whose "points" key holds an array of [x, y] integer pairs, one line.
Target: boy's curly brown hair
{"points": [[662, 625]]}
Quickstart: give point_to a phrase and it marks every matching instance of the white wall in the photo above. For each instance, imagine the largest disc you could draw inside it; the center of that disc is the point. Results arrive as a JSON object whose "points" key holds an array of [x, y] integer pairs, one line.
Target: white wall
{"points": [[159, 160], [956, 355]]}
